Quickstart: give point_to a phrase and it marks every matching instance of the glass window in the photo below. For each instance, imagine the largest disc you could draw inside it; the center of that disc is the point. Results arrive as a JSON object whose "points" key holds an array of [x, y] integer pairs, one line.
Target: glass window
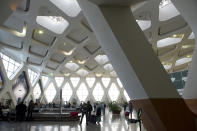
{"points": [[66, 92], [44, 80], [98, 92], [20, 87], [74, 81], [90, 81], [119, 83], [37, 91], [105, 81], [113, 92], [59, 81], [82, 92], [126, 96], [11, 66], [32, 76], [50, 92]]}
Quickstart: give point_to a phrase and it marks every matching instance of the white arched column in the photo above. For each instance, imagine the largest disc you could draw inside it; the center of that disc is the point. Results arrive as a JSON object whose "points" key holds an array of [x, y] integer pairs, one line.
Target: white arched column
{"points": [[188, 10], [138, 67]]}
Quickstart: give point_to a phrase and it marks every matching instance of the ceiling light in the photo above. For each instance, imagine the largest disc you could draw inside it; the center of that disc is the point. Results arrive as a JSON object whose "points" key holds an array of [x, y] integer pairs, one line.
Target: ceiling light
{"points": [[178, 35], [98, 74], [67, 53], [66, 74], [185, 46], [40, 32], [189, 56]]}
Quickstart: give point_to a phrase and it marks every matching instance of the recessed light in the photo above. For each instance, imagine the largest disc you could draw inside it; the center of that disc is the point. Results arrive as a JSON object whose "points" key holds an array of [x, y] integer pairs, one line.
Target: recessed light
{"points": [[40, 31], [185, 46]]}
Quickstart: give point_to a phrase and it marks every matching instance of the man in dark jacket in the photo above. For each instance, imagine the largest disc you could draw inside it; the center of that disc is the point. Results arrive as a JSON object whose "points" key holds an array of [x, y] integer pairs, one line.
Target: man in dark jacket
{"points": [[84, 111], [89, 106], [21, 109], [30, 110]]}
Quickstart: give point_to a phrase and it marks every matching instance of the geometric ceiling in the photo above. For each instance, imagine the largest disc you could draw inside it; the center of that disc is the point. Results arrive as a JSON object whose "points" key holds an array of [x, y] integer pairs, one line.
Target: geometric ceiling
{"points": [[58, 41]]}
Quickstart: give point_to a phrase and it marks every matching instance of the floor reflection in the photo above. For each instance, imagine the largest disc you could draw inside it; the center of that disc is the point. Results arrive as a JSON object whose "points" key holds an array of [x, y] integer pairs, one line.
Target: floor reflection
{"points": [[109, 123]]}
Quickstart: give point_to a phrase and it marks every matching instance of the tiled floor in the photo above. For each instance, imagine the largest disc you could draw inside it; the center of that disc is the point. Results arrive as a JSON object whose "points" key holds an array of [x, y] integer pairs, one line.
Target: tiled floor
{"points": [[109, 123]]}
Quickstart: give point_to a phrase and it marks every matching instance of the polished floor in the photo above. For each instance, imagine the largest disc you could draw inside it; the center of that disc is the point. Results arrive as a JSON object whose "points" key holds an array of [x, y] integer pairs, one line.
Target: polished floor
{"points": [[109, 123]]}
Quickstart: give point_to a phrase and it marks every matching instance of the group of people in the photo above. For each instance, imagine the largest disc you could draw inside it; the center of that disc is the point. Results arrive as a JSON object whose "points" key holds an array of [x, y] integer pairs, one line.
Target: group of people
{"points": [[93, 116], [21, 110]]}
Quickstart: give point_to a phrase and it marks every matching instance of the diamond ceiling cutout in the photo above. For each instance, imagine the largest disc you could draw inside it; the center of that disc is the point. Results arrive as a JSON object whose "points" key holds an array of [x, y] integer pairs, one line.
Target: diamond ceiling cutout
{"points": [[32, 76], [59, 81], [113, 92], [167, 10], [37, 91], [191, 36], [11, 66], [90, 81], [74, 81], [113, 74], [119, 83], [105, 81], [82, 92], [67, 92], [182, 61], [144, 24], [168, 41], [50, 92], [82, 72], [98, 92], [101, 59], [56, 24], [70, 7], [72, 66], [108, 67]]}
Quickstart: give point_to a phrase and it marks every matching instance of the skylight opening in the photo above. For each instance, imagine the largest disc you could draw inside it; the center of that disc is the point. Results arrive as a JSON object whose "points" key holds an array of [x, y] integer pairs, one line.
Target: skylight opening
{"points": [[37, 91], [82, 92], [72, 66], [101, 59], [144, 24], [67, 92], [70, 7], [191, 36], [168, 41], [108, 67], [56, 24], [113, 74], [183, 61], [82, 72], [11, 66], [90, 81], [32, 76], [167, 67], [74, 81], [98, 92], [167, 10], [59, 81]]}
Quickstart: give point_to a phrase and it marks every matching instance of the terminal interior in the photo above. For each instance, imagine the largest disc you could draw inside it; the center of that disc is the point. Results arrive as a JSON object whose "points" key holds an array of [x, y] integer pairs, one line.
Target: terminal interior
{"points": [[135, 59]]}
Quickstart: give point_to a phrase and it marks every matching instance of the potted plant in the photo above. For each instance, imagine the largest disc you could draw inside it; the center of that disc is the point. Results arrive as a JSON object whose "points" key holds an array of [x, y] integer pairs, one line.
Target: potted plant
{"points": [[115, 108]]}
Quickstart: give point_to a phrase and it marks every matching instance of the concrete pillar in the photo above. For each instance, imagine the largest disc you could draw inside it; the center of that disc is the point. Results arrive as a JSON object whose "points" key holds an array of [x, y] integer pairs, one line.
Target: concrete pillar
{"points": [[138, 67], [188, 10], [6, 8]]}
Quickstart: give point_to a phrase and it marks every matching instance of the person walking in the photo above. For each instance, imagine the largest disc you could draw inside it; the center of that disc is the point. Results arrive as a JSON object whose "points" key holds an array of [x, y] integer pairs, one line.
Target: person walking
{"points": [[103, 108], [131, 108], [21, 109], [98, 114], [30, 110], [84, 111], [89, 108]]}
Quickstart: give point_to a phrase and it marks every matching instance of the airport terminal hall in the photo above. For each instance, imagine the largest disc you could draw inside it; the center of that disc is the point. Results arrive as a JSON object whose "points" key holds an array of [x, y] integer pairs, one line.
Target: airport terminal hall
{"points": [[98, 65]]}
